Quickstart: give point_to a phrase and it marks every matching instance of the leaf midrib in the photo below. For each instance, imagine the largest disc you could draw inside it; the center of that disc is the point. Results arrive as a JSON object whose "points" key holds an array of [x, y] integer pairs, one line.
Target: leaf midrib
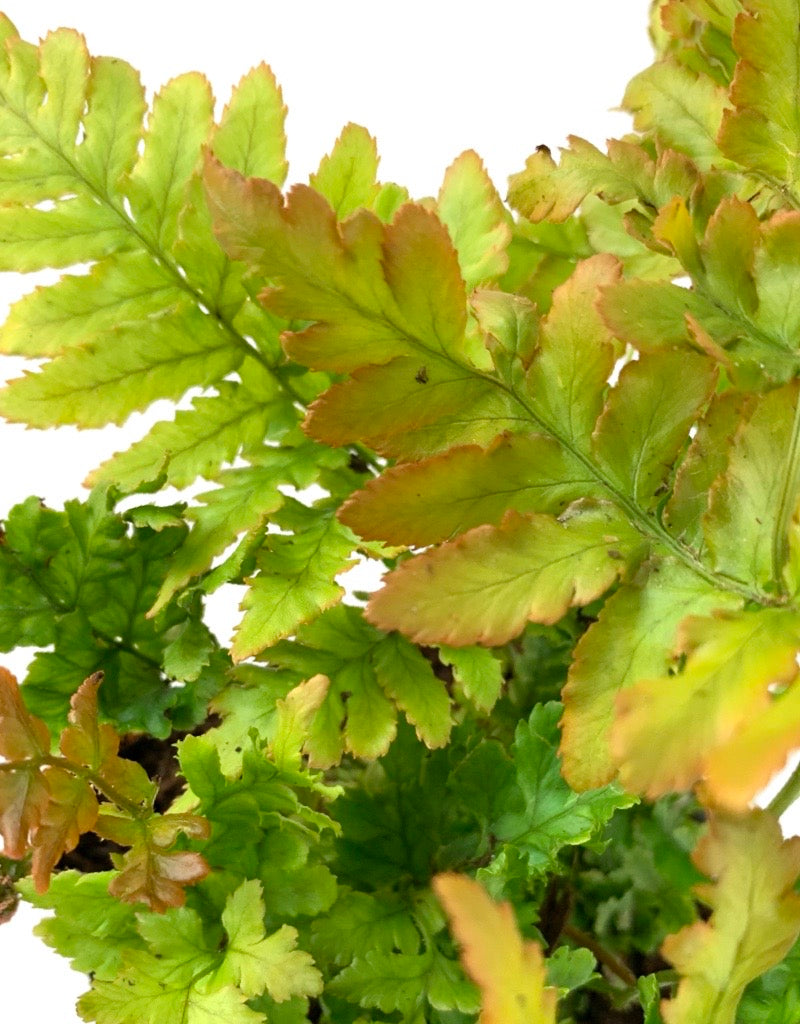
{"points": [[159, 256]]}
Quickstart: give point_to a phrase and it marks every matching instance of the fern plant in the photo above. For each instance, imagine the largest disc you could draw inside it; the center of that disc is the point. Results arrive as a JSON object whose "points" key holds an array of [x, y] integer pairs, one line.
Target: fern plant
{"points": [[518, 779]]}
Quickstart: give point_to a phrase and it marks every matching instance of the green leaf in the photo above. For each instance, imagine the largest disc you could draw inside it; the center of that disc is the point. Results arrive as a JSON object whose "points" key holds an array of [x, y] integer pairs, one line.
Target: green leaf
{"points": [[151, 996], [546, 190], [401, 982], [477, 672], [647, 418], [256, 962], [751, 504], [128, 286], [179, 124], [245, 708], [91, 928], [94, 386], [576, 354], [568, 969], [347, 176], [705, 461], [681, 109], [653, 314], [472, 212], [408, 679], [356, 714], [259, 827], [551, 815], [295, 578], [250, 135], [94, 577], [200, 440], [361, 922]]}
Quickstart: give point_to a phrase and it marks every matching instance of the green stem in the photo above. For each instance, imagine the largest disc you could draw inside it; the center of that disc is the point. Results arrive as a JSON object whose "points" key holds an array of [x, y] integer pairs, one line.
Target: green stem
{"points": [[786, 796], [80, 771], [122, 645], [779, 186], [604, 956], [787, 505], [644, 522]]}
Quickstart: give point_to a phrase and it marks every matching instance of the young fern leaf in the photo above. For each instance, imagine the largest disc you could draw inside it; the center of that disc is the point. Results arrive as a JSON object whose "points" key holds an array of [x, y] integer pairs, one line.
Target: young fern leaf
{"points": [[48, 801]]}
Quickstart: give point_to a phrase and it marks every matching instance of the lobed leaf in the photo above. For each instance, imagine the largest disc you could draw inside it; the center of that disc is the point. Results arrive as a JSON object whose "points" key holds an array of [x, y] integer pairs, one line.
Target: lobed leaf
{"points": [[647, 418], [750, 504], [576, 354], [434, 499], [484, 586], [150, 872], [755, 917], [295, 581], [762, 130], [71, 809], [412, 407], [546, 815], [183, 347], [509, 972], [347, 176], [471, 210], [702, 718], [90, 927], [632, 639], [407, 295], [256, 962], [681, 109]]}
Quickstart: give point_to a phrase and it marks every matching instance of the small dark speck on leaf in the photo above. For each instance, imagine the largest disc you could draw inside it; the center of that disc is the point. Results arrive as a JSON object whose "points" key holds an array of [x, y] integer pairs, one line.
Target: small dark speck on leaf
{"points": [[421, 376]]}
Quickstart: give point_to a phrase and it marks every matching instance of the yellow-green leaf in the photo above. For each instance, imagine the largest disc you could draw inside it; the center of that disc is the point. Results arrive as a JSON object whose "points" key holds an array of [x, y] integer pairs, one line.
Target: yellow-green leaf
{"points": [[94, 385], [668, 729], [473, 213], [752, 503], [647, 418], [762, 132], [250, 135], [347, 175], [754, 922], [295, 581], [509, 971], [681, 108], [631, 640], [177, 128], [256, 962], [576, 354], [408, 679]]}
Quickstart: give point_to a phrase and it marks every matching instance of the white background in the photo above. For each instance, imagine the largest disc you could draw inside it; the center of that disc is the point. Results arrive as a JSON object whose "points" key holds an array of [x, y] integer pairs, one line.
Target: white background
{"points": [[428, 79]]}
